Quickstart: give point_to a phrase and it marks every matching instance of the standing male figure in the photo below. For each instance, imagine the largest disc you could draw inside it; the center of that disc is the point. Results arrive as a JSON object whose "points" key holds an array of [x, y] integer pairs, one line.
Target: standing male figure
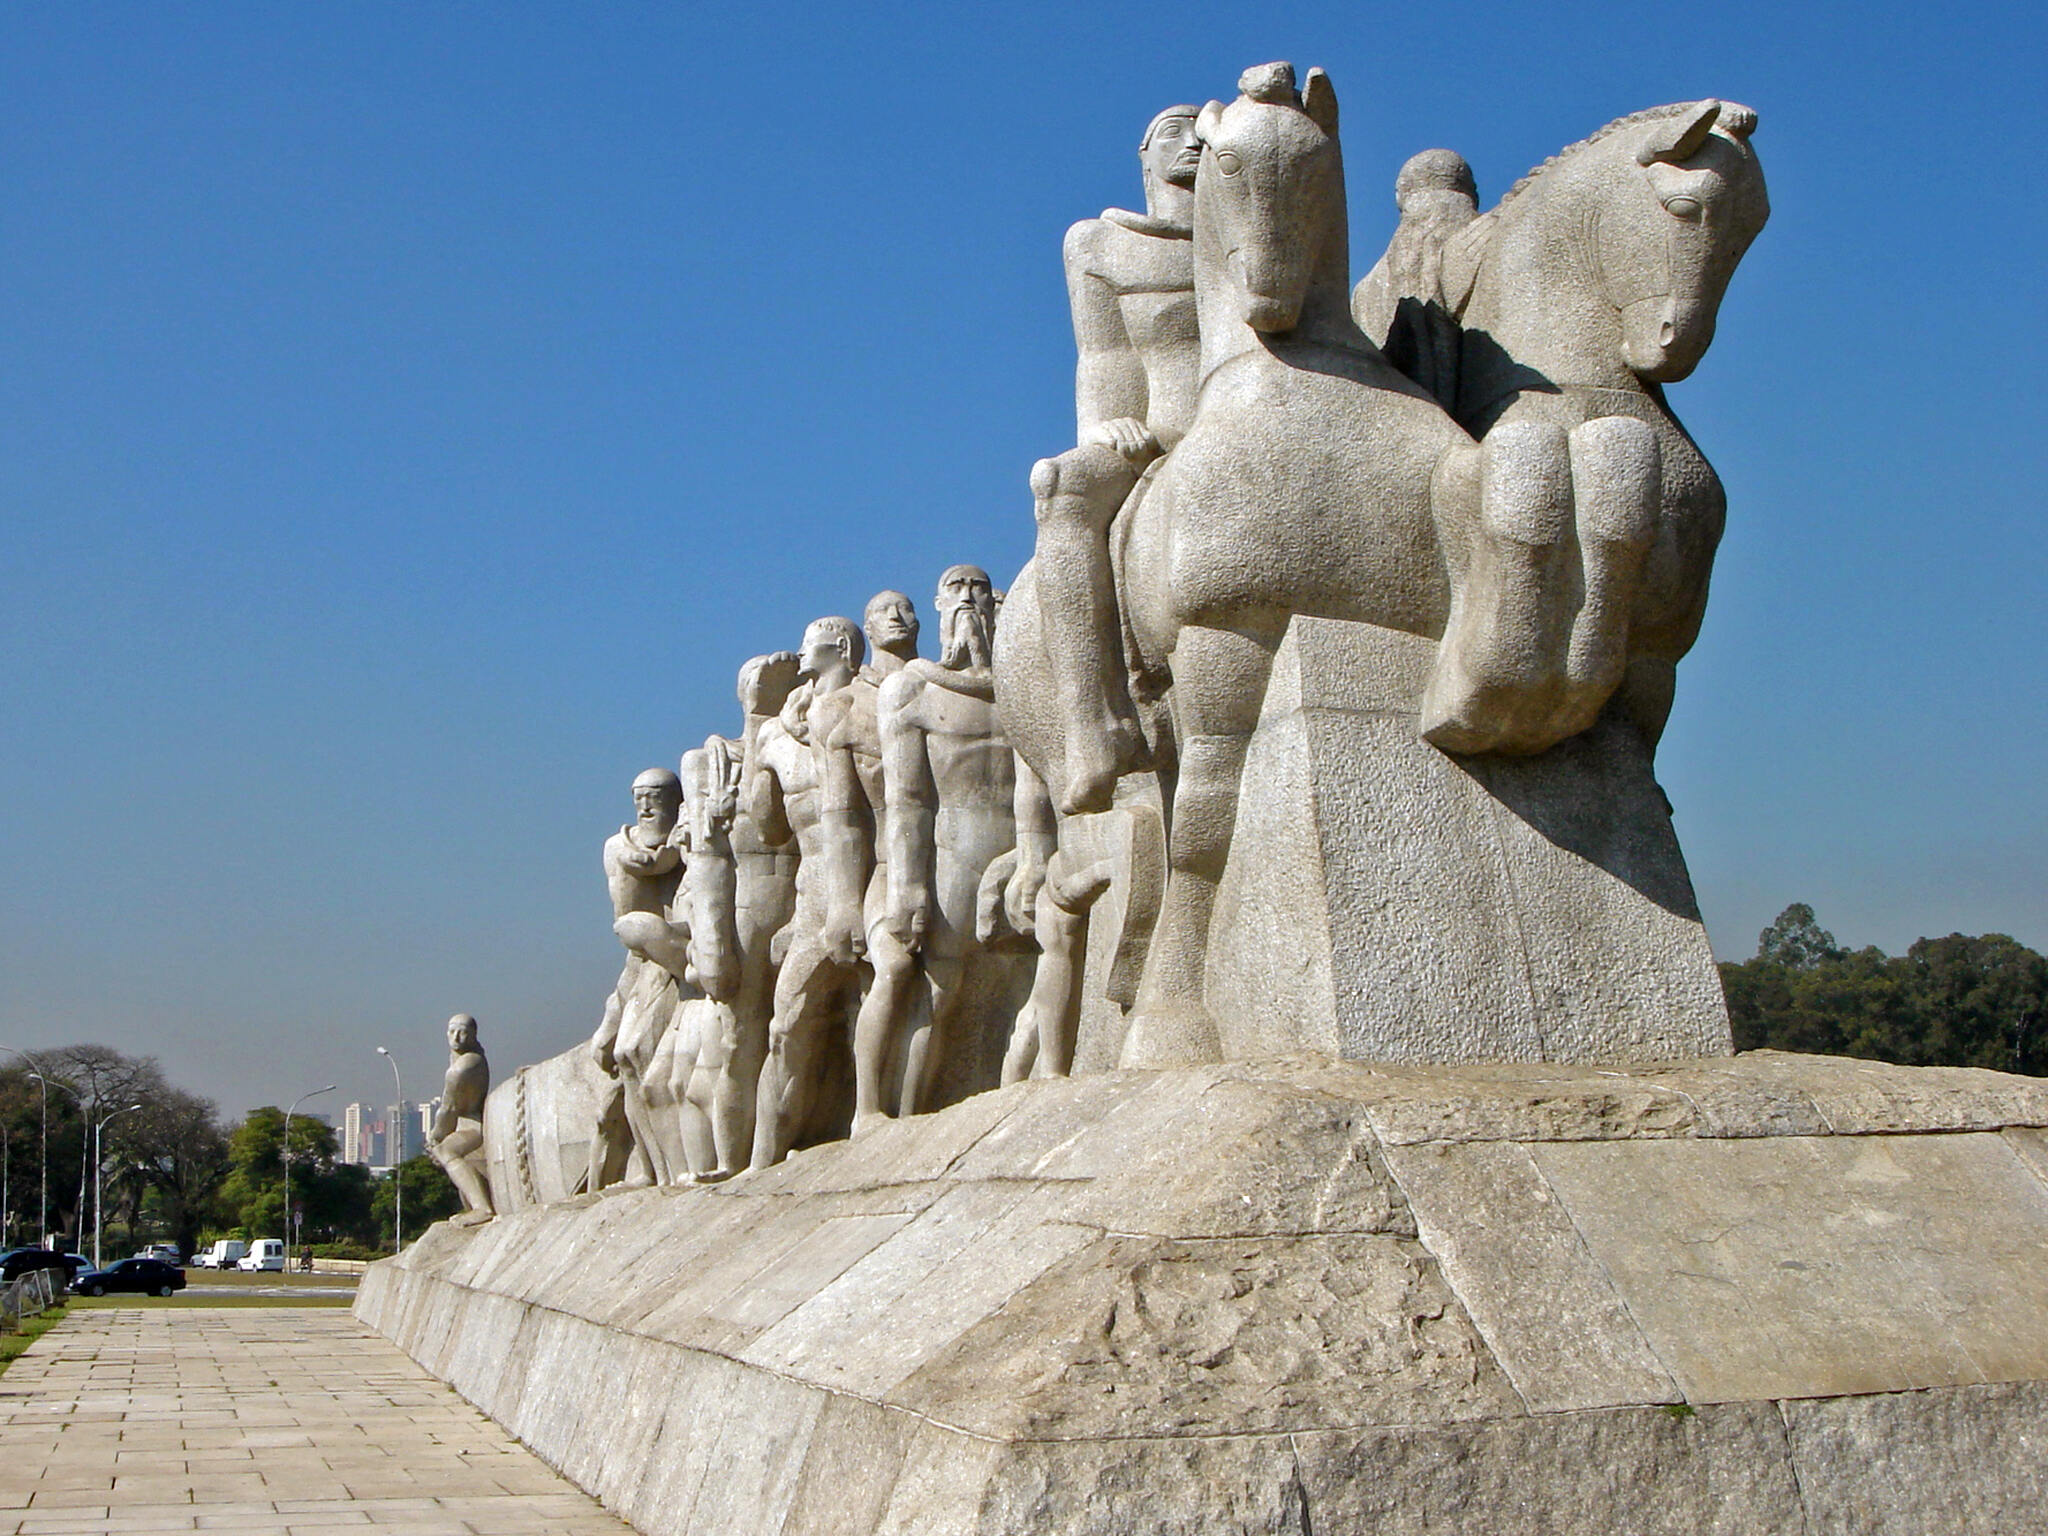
{"points": [[1131, 285], [764, 898], [817, 982], [458, 1136], [849, 742], [950, 788], [643, 868]]}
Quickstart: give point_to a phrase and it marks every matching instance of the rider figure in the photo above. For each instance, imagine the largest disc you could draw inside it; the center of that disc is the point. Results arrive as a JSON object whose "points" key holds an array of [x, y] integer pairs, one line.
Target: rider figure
{"points": [[1131, 284]]}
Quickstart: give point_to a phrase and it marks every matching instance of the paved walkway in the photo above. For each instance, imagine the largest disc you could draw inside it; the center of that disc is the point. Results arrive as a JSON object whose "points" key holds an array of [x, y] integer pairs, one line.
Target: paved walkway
{"points": [[258, 1419]]}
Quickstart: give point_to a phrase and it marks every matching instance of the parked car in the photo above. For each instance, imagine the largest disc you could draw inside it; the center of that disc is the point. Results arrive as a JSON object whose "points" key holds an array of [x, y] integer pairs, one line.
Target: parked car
{"points": [[17, 1262], [168, 1252], [264, 1253], [225, 1253], [151, 1277]]}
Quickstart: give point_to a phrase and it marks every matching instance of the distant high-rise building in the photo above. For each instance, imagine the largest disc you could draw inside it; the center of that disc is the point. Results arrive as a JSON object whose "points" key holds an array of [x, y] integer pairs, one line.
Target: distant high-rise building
{"points": [[427, 1112], [401, 1146], [354, 1144]]}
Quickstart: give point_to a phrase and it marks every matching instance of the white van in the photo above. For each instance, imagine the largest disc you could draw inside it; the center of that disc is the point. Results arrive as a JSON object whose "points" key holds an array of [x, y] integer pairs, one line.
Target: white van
{"points": [[224, 1254], [264, 1253]]}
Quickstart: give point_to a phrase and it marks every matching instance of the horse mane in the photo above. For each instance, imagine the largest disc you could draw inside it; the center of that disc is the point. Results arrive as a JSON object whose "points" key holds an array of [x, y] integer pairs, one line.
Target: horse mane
{"points": [[1731, 119]]}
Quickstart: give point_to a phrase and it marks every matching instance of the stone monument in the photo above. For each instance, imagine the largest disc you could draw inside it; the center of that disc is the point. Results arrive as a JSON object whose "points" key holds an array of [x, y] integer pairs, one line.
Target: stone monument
{"points": [[1370, 1153], [457, 1138]]}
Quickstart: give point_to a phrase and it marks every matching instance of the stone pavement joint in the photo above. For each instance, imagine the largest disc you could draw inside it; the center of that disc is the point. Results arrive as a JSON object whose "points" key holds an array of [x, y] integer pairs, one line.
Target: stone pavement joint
{"points": [[132, 1422]]}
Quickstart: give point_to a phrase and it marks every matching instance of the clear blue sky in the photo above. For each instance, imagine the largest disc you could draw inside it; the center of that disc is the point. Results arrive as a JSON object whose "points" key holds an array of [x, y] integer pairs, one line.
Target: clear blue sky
{"points": [[410, 416]]}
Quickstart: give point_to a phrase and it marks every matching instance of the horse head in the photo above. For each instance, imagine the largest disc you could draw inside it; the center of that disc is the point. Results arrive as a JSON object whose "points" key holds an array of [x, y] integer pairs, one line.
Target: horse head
{"points": [[1269, 205], [1686, 199]]}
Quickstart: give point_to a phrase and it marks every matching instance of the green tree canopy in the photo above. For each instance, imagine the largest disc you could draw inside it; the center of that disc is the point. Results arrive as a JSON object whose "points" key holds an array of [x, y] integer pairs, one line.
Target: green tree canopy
{"points": [[1955, 1001]]}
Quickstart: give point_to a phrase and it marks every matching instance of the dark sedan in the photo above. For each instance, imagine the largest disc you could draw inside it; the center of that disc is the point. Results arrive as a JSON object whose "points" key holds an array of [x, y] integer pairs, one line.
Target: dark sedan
{"points": [[151, 1277], [17, 1262]]}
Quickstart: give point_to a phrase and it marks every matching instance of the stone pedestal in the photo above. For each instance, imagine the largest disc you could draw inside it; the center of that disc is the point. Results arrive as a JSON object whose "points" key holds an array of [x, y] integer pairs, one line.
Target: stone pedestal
{"points": [[1389, 902], [1770, 1294]]}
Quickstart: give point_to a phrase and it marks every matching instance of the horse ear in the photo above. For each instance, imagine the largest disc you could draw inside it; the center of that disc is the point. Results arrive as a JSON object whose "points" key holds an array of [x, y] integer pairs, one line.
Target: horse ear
{"points": [[1319, 101], [1207, 119], [1676, 138]]}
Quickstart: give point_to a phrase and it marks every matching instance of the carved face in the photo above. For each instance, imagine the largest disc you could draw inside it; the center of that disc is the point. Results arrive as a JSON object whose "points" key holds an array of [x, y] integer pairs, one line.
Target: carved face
{"points": [[1172, 152], [462, 1033], [657, 801], [1668, 245], [829, 645], [1272, 180], [892, 624], [967, 617]]}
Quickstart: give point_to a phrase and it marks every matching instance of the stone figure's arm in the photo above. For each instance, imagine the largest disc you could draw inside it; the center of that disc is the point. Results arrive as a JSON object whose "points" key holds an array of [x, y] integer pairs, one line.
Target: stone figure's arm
{"points": [[449, 1115], [1110, 394], [648, 862], [762, 797], [604, 1043], [845, 826], [1037, 841], [912, 808]]}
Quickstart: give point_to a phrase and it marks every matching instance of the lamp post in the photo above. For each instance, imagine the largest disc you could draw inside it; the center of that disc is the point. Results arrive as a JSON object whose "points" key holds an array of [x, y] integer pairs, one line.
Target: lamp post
{"points": [[43, 1216], [99, 1203], [397, 1168], [78, 1099], [287, 1151]]}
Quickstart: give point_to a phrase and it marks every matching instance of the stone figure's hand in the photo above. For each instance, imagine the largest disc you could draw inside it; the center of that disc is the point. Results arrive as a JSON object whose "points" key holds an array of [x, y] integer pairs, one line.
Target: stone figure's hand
{"points": [[908, 924], [845, 937], [1127, 435], [768, 686]]}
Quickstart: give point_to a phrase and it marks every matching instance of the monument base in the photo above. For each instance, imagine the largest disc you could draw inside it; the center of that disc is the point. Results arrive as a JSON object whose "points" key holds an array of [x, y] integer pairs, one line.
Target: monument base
{"points": [[1770, 1293]]}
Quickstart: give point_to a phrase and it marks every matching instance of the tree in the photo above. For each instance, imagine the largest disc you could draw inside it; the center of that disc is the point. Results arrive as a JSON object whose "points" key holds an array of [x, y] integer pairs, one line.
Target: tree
{"points": [[1955, 1001], [254, 1188], [175, 1150], [429, 1196], [1797, 939]]}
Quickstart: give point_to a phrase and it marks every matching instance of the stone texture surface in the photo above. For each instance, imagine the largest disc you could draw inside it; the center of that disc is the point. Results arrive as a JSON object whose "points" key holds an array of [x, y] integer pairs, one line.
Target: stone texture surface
{"points": [[1451, 909], [1299, 1296]]}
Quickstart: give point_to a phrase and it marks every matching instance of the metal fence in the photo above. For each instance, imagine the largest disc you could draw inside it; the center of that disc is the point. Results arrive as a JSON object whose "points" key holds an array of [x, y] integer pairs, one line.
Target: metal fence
{"points": [[24, 1298]]}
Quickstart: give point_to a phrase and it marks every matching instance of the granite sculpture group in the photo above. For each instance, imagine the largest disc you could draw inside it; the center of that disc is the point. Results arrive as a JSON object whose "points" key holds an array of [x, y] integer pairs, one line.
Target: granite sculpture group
{"points": [[1332, 578], [1286, 846]]}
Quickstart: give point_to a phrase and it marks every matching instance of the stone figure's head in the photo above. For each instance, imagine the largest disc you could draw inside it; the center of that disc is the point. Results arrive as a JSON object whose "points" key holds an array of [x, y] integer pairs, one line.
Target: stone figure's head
{"points": [[832, 649], [1170, 153], [765, 682], [967, 617], [1434, 184], [1667, 251], [1269, 204], [657, 800], [891, 625], [462, 1034]]}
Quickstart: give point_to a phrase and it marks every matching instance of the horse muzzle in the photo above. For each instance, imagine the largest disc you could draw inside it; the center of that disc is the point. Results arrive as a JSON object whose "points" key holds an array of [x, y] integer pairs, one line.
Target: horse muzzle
{"points": [[1662, 343]]}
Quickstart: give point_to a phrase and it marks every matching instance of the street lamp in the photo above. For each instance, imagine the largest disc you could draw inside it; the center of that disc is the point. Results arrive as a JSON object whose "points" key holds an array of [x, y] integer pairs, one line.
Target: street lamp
{"points": [[288, 1174], [78, 1099], [98, 1203], [43, 1216], [398, 1168]]}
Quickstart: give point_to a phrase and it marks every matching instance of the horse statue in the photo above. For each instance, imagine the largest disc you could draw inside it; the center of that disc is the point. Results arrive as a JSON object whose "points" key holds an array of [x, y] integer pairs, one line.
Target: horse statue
{"points": [[1592, 284], [1317, 480]]}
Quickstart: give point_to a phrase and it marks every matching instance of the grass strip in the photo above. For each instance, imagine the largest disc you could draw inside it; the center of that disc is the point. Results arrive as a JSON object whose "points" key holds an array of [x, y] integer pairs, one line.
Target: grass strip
{"points": [[11, 1345]]}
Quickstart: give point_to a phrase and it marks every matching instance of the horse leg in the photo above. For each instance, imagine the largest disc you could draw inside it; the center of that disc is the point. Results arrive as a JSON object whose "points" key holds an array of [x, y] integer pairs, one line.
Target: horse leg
{"points": [[1617, 487], [1499, 673], [1076, 496], [1219, 684]]}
